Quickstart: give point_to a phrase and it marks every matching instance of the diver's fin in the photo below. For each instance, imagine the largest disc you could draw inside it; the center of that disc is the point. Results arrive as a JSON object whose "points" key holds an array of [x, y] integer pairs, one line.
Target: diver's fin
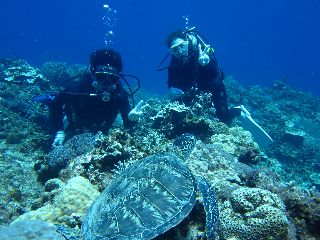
{"points": [[258, 134]]}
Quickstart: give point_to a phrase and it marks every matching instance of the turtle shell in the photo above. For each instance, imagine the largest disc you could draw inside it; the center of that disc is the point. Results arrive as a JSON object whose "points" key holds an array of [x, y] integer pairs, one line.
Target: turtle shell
{"points": [[146, 199]]}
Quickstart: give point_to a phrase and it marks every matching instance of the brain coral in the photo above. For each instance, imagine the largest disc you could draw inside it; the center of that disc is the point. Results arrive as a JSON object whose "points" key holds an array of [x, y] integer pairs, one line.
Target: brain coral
{"points": [[253, 213], [74, 199]]}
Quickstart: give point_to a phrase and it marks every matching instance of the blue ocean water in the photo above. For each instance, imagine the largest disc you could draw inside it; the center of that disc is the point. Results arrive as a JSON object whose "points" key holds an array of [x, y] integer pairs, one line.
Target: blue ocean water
{"points": [[255, 41]]}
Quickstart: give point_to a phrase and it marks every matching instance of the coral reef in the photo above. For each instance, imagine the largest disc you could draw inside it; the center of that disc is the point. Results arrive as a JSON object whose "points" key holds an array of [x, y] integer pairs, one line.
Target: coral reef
{"points": [[18, 185], [237, 142], [284, 177], [176, 119], [253, 213], [58, 158], [30, 230], [303, 207], [19, 71], [59, 72], [291, 117], [68, 206]]}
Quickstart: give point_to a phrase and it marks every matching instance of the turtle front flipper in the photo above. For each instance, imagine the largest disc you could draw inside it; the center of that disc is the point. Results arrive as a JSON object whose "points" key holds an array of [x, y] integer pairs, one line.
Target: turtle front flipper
{"points": [[68, 233], [210, 204]]}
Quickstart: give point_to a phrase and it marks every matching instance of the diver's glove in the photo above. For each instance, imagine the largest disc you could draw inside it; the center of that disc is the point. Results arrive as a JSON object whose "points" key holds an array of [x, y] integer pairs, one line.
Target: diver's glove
{"points": [[176, 92], [137, 112], [204, 58], [59, 139]]}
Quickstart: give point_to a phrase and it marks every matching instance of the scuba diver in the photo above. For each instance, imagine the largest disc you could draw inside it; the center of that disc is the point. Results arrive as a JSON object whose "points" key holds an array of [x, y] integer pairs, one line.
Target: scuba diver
{"points": [[92, 101], [194, 68]]}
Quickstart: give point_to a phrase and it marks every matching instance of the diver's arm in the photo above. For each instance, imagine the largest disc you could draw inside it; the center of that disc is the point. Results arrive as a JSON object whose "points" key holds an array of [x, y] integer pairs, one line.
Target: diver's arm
{"points": [[124, 107], [56, 119], [137, 111], [56, 113]]}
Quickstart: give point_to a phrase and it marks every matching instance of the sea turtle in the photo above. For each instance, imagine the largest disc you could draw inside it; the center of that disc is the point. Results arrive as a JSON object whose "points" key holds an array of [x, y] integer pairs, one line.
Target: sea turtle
{"points": [[148, 198]]}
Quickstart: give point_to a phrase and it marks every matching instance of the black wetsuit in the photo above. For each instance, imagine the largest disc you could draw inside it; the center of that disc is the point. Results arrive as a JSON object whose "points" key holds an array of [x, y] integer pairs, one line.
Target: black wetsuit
{"points": [[187, 74], [88, 112]]}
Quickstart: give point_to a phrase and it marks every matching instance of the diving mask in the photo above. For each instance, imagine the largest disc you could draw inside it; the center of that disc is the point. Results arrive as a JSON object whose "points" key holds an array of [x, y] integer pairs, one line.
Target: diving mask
{"points": [[179, 48], [105, 81], [106, 75]]}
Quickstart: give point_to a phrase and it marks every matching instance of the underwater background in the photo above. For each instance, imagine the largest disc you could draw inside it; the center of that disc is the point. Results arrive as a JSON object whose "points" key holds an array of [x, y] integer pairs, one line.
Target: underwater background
{"points": [[256, 42]]}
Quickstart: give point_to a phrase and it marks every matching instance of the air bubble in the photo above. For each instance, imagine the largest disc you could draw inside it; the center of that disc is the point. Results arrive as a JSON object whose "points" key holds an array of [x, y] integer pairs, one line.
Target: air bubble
{"points": [[110, 22]]}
